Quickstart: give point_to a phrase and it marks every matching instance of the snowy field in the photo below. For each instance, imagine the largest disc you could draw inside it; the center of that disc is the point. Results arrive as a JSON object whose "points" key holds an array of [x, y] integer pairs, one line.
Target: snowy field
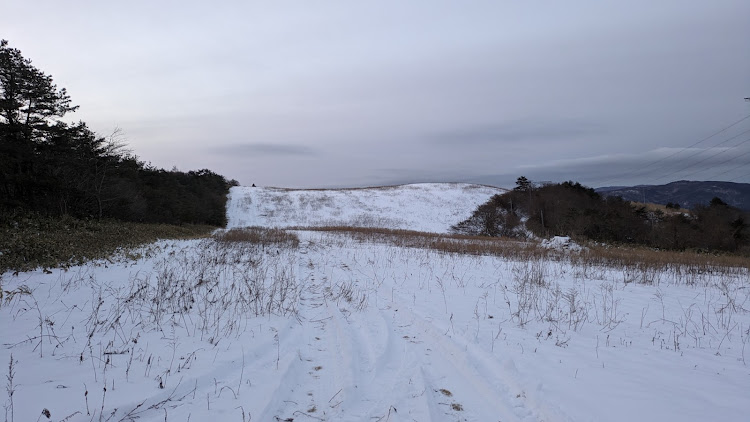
{"points": [[340, 329], [428, 207]]}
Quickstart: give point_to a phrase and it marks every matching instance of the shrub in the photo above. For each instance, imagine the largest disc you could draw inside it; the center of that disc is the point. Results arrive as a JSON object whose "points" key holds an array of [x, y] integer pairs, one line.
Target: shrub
{"points": [[570, 209]]}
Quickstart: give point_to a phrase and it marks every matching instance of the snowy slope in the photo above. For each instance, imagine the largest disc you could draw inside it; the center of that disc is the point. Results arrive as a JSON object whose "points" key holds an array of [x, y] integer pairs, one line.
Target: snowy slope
{"points": [[371, 332], [429, 207]]}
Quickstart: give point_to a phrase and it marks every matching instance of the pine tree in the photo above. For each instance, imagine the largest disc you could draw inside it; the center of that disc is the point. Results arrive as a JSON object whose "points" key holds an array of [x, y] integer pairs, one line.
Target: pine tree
{"points": [[29, 104], [523, 185]]}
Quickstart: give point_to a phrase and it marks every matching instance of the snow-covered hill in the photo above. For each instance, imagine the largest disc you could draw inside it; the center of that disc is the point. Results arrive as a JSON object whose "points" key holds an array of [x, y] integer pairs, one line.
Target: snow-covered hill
{"points": [[428, 207]]}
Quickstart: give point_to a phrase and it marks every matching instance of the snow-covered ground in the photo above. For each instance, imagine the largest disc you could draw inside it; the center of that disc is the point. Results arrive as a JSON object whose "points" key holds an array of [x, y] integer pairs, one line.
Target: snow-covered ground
{"points": [[428, 207], [341, 330]]}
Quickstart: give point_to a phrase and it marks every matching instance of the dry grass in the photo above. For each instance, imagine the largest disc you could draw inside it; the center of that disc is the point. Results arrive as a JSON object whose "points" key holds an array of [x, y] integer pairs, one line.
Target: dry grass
{"points": [[258, 236], [651, 259], [619, 257], [31, 241], [659, 207], [448, 243]]}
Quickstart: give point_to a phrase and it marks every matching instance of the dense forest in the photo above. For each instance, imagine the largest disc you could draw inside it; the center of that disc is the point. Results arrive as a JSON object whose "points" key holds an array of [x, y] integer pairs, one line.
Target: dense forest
{"points": [[571, 209], [55, 168]]}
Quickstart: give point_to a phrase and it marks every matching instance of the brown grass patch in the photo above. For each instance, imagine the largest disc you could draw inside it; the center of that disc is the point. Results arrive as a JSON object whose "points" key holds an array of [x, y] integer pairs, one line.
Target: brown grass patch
{"points": [[646, 258], [32, 241], [659, 207], [448, 243], [619, 257], [259, 236]]}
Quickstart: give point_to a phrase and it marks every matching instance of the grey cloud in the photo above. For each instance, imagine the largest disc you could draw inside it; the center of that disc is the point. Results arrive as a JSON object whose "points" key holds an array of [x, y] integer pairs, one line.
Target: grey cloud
{"points": [[361, 95], [517, 131], [266, 149]]}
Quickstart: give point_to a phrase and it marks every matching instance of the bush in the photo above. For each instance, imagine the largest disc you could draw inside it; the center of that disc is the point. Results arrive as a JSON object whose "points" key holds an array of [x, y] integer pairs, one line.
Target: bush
{"points": [[570, 209]]}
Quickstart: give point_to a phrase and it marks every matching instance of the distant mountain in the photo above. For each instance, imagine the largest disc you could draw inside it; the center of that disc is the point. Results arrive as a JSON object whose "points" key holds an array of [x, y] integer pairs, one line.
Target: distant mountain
{"points": [[684, 192]]}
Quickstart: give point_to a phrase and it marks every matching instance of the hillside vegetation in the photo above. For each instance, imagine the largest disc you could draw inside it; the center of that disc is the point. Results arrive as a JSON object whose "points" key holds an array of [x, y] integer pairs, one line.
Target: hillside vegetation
{"points": [[68, 195], [55, 168], [571, 209]]}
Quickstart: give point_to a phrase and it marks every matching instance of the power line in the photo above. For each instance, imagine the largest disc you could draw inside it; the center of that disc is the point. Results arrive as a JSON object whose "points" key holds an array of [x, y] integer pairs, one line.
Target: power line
{"points": [[721, 164], [676, 153], [733, 168], [740, 177], [701, 151], [707, 158]]}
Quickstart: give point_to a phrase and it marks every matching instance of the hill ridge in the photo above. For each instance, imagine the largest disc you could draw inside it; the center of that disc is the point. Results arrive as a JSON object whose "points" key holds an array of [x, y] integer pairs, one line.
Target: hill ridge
{"points": [[686, 193]]}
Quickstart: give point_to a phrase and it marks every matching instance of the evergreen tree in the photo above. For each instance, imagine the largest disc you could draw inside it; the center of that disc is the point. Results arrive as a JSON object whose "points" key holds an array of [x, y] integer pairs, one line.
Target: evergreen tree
{"points": [[29, 104], [523, 185]]}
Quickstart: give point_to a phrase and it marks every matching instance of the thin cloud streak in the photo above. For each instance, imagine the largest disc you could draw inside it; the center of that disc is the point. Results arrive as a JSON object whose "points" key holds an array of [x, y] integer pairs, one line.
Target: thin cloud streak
{"points": [[625, 169], [265, 150], [526, 130]]}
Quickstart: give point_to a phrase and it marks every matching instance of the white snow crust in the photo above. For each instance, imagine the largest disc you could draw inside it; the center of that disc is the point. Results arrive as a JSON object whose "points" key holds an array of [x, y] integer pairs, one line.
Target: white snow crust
{"points": [[427, 207]]}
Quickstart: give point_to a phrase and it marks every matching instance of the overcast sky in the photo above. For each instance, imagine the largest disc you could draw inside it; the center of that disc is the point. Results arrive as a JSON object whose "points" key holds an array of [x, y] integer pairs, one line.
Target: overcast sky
{"points": [[353, 93]]}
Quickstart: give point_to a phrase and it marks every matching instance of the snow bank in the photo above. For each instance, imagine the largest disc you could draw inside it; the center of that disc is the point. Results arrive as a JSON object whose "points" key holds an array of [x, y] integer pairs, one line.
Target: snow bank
{"points": [[561, 243], [429, 207]]}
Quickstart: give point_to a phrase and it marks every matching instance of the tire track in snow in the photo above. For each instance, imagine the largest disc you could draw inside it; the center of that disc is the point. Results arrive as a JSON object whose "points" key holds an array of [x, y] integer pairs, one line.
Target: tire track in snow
{"points": [[388, 362], [477, 377], [365, 371], [209, 386], [324, 368], [388, 380], [400, 366]]}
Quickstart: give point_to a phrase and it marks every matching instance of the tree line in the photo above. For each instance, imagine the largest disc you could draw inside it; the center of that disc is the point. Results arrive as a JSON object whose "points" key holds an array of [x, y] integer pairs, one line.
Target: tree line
{"points": [[570, 209], [56, 168]]}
